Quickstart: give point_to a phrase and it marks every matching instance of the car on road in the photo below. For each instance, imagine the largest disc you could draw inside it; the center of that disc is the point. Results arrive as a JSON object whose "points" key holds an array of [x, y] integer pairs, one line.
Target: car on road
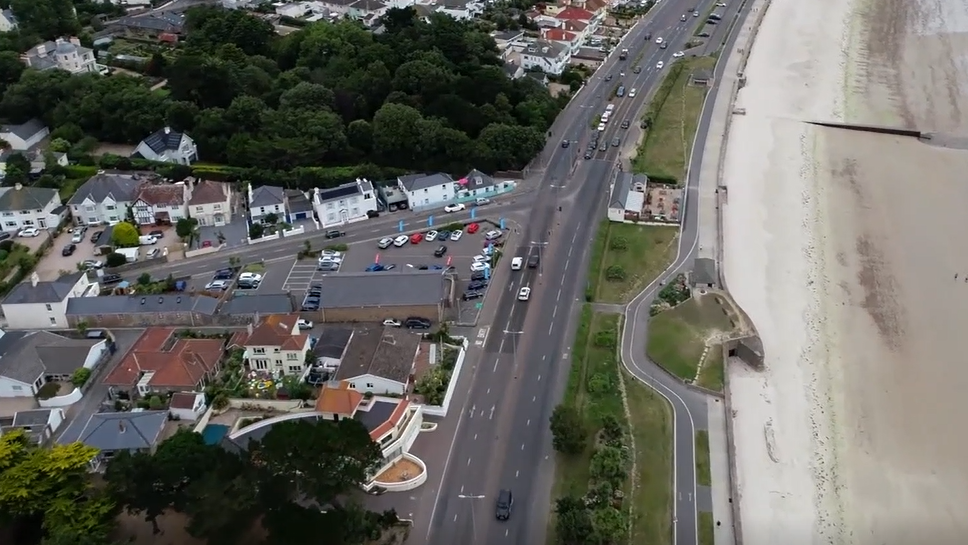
{"points": [[659, 65], [648, 36], [457, 207], [91, 264], [416, 238], [588, 155], [220, 285], [564, 143], [524, 293], [401, 240], [678, 55], [28, 232], [664, 46], [304, 324], [505, 500], [608, 77], [416, 322], [683, 18], [632, 93], [720, 4], [78, 235], [473, 228], [659, 40], [456, 235], [477, 266], [472, 294], [516, 263], [603, 147], [626, 124], [481, 201], [335, 234], [69, 249], [711, 21], [493, 235], [431, 236], [96, 235], [637, 70], [695, 14], [390, 322], [616, 142], [440, 251], [384, 243], [533, 260]]}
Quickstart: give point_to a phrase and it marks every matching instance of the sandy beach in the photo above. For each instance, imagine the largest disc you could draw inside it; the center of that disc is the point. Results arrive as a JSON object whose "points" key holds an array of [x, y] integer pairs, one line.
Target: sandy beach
{"points": [[843, 248]]}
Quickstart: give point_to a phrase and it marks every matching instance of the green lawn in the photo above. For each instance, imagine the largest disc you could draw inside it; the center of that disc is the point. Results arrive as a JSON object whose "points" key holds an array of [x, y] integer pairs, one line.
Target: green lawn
{"points": [[651, 424], [674, 112], [640, 252], [712, 375], [706, 529], [703, 471], [677, 336]]}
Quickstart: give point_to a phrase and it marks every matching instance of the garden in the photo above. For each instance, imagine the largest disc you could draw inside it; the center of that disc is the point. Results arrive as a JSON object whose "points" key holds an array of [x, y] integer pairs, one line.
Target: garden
{"points": [[433, 384]]}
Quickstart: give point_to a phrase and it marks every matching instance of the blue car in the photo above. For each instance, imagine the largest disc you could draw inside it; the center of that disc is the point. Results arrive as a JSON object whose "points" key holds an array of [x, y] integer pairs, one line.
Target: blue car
{"points": [[376, 267]]}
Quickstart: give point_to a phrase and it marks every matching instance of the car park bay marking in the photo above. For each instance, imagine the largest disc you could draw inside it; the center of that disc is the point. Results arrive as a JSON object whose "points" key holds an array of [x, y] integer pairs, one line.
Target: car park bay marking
{"points": [[481, 336]]}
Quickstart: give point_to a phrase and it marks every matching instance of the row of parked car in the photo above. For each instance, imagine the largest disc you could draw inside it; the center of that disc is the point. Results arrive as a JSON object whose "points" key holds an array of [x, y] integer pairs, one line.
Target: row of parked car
{"points": [[222, 280]]}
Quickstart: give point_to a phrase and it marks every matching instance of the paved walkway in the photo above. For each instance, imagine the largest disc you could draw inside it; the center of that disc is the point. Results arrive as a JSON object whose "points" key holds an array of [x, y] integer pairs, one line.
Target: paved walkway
{"points": [[719, 471]]}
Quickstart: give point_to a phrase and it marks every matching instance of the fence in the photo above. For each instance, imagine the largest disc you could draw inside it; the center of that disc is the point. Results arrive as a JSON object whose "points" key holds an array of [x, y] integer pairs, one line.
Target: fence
{"points": [[441, 410], [264, 238], [294, 231], [203, 251]]}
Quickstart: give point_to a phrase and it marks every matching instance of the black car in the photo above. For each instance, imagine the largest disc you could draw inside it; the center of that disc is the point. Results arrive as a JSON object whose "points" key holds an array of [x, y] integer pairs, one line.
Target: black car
{"points": [[110, 279], [588, 155], [440, 251], [592, 145], [69, 249], [637, 70], [223, 274], [335, 234], [703, 35], [505, 500], [711, 21], [479, 275], [625, 124], [533, 261], [565, 143], [608, 77], [157, 234], [468, 295], [96, 235], [314, 292], [616, 142], [477, 285], [416, 322]]}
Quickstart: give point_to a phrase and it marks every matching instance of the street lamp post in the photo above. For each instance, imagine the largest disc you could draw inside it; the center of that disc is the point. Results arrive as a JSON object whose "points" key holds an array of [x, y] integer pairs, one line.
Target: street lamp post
{"points": [[473, 518]]}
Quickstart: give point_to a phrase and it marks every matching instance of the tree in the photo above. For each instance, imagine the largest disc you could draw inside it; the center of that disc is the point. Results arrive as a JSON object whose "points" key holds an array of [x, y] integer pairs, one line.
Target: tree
{"points": [[49, 19], [609, 464], [125, 235], [187, 229], [271, 218], [569, 434], [256, 230], [114, 259], [573, 524], [17, 170]]}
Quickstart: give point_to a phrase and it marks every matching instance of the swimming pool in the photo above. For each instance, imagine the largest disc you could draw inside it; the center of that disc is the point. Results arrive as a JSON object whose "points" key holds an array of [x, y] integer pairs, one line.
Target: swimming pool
{"points": [[213, 433]]}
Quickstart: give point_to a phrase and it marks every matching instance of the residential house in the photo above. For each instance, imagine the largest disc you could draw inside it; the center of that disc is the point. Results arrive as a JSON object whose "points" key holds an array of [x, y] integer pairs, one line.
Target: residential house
{"points": [[590, 20], [346, 203], [627, 199], [38, 207], [105, 197], [265, 200], [38, 425], [339, 7], [513, 70], [37, 158], [112, 433], [393, 196], [167, 146], [187, 406], [548, 57], [35, 304], [211, 203], [378, 361], [583, 29], [277, 345], [25, 136], [160, 25], [479, 185], [461, 10], [571, 40], [366, 9], [505, 38], [161, 204], [30, 359], [142, 311], [330, 349], [68, 55], [8, 21], [299, 205], [161, 362], [428, 190]]}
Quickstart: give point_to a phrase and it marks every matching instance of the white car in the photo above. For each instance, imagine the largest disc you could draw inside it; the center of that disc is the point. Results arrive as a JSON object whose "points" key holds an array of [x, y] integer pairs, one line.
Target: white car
{"points": [[401, 240], [517, 263], [453, 207], [678, 55], [632, 93], [659, 65], [601, 127], [330, 253], [477, 266], [493, 235], [392, 323], [384, 243], [658, 40], [28, 232], [155, 252], [250, 277], [720, 4], [431, 236], [455, 236], [304, 324], [217, 285], [480, 259], [524, 294], [330, 259]]}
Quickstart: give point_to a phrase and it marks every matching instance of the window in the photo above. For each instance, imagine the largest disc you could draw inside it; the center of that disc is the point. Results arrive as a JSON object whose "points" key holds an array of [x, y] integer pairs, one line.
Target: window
{"points": [[261, 365], [258, 350], [353, 385], [425, 190], [28, 222], [369, 385], [329, 206], [92, 220], [295, 369], [292, 356], [215, 206], [143, 209], [53, 321], [275, 350], [49, 308], [278, 363], [262, 209], [89, 208], [11, 224], [24, 212], [113, 218], [8, 214], [366, 196], [16, 388], [110, 207], [200, 208]]}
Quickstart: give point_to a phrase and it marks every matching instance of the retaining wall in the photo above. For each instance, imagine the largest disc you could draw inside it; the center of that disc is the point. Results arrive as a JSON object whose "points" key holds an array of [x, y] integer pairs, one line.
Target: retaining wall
{"points": [[61, 401], [294, 231], [441, 410], [274, 236], [203, 251], [405, 485]]}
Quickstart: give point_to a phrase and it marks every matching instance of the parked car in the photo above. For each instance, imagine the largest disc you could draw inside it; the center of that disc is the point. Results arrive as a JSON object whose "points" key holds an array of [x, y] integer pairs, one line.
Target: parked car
{"points": [[473, 228], [158, 234], [304, 324], [28, 232], [479, 267], [493, 235], [219, 285], [335, 234], [401, 240], [110, 279], [524, 293], [416, 238], [440, 251], [250, 277], [69, 249], [315, 289], [5, 235], [223, 274], [96, 235], [477, 285], [481, 201], [443, 234], [155, 252], [331, 254], [389, 267], [478, 276], [456, 207], [431, 236], [416, 322], [390, 322], [376, 267], [91, 264], [78, 236], [384, 243], [470, 295], [455, 236]]}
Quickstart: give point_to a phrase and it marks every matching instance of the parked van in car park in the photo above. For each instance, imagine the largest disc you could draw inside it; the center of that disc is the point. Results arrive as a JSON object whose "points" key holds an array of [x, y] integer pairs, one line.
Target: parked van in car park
{"points": [[146, 240]]}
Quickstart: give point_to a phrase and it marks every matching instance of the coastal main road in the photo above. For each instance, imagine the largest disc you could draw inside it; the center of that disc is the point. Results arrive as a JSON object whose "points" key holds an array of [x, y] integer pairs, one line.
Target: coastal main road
{"points": [[502, 438]]}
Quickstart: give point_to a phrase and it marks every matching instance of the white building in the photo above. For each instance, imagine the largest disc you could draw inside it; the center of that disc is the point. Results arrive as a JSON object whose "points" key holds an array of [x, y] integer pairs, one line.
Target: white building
{"points": [[8, 21], [627, 199], [427, 190], [187, 406], [265, 200], [277, 346], [161, 203], [461, 10], [68, 55], [24, 136], [33, 304], [167, 146], [39, 425], [345, 203], [549, 57], [105, 197], [38, 207], [30, 359], [211, 203]]}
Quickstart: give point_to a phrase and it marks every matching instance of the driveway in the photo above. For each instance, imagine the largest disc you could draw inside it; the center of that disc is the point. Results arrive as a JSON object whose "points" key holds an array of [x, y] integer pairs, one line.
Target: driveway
{"points": [[53, 265], [236, 234]]}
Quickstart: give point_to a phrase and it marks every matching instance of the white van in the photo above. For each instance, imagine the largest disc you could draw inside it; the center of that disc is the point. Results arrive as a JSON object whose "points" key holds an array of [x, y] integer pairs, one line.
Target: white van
{"points": [[609, 108], [517, 263]]}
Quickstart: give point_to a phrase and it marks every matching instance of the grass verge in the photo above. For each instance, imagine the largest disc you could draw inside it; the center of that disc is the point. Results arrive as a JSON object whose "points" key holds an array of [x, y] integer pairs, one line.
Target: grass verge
{"points": [[712, 374], [706, 529], [629, 256], [673, 116], [703, 471], [677, 337], [651, 425]]}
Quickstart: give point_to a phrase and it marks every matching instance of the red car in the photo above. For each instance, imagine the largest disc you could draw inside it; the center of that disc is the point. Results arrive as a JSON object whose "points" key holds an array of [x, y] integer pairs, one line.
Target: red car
{"points": [[416, 238], [472, 228]]}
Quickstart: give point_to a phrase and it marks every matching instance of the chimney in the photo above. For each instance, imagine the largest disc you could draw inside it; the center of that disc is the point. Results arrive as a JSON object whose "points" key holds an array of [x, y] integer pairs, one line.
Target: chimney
{"points": [[75, 41], [167, 130], [41, 50], [121, 426], [18, 187], [34, 279]]}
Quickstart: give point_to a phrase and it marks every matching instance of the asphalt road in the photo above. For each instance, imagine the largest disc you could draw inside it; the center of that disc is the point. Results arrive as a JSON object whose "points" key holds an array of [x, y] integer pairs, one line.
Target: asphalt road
{"points": [[502, 438]]}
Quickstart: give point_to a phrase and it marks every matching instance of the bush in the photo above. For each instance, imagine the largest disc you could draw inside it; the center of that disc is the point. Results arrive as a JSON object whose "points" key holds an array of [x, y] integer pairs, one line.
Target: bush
{"points": [[337, 247], [125, 235], [48, 390], [568, 430], [600, 383], [455, 226], [615, 273], [80, 376], [115, 259], [3, 255], [605, 339], [618, 243]]}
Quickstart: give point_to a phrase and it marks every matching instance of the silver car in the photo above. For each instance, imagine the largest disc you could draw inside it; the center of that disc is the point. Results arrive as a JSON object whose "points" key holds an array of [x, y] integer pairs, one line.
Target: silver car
{"points": [[384, 243]]}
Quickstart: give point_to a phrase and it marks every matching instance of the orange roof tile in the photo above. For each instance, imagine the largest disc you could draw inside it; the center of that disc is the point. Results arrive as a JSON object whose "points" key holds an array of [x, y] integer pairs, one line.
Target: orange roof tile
{"points": [[558, 35], [341, 400], [394, 419], [178, 363], [575, 14], [276, 330]]}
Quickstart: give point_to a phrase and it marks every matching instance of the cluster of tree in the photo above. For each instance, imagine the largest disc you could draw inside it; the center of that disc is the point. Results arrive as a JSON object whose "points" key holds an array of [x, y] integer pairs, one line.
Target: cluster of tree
{"points": [[290, 482], [421, 96]]}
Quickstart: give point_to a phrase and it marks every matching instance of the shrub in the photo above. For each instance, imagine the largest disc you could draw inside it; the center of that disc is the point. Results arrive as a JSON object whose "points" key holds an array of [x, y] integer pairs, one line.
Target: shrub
{"points": [[48, 390], [3, 255], [80, 376], [615, 273], [338, 247], [567, 430], [125, 235], [454, 226], [618, 243], [115, 259], [599, 383], [155, 403], [605, 339]]}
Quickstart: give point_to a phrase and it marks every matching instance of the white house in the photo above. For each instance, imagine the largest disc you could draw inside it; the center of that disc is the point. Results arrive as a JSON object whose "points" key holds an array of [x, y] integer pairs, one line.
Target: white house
{"points": [[161, 203], [105, 197], [265, 200], [461, 10], [549, 57], [38, 425], [38, 207], [68, 55], [339, 7], [366, 9], [211, 203], [277, 346], [427, 190], [34, 304], [479, 185], [627, 199], [345, 203], [30, 359], [8, 21], [187, 406], [24, 136], [167, 146]]}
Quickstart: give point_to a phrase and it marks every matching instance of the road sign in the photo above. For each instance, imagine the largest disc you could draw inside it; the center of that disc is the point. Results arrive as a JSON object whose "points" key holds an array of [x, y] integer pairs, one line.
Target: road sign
{"points": [[400, 226], [473, 212], [430, 221], [502, 224], [479, 306]]}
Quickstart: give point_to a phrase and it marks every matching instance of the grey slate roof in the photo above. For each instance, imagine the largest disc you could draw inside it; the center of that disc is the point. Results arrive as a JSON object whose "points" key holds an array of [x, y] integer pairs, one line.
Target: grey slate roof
{"points": [[298, 202], [704, 272], [377, 414], [33, 423], [267, 195], [332, 342], [26, 130], [44, 292], [379, 351], [25, 198], [264, 303], [137, 304], [544, 48], [620, 191], [382, 289], [121, 187], [168, 21], [26, 355], [10, 17], [478, 180], [415, 182], [164, 140], [124, 431], [367, 5]]}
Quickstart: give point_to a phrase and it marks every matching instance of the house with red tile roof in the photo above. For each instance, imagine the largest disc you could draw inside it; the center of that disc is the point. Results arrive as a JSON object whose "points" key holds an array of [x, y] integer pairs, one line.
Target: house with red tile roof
{"points": [[276, 345], [587, 21], [161, 361], [161, 203], [572, 40], [575, 14]]}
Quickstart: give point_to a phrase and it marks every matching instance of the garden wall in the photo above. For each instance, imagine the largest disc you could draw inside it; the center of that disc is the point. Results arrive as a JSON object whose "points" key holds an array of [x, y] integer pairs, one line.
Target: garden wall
{"points": [[273, 236], [61, 401], [203, 251], [441, 410]]}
